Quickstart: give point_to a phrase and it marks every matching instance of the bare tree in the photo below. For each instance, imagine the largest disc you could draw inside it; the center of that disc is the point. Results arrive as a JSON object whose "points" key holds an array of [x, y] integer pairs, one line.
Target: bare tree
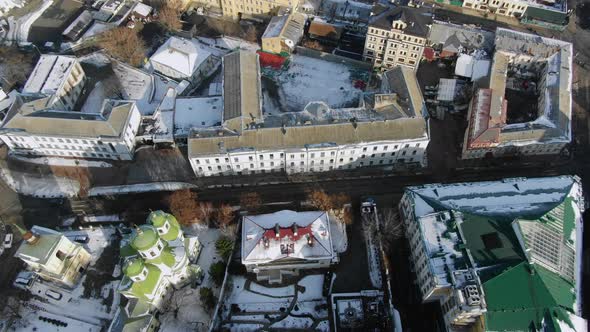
{"points": [[320, 200], [313, 44], [392, 228], [224, 215], [250, 201], [16, 66], [251, 34], [184, 206], [206, 211], [169, 16], [124, 44]]}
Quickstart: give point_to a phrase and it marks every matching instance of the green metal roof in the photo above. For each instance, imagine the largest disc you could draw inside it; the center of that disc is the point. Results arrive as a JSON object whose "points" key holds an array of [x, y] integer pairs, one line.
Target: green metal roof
{"points": [[40, 250], [172, 233], [127, 251], [145, 238], [166, 257], [545, 15], [148, 285], [134, 267], [520, 297], [157, 218], [491, 240]]}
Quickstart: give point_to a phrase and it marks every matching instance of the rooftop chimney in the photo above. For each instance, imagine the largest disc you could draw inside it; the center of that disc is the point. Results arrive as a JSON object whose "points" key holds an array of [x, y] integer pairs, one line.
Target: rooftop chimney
{"points": [[277, 231], [295, 230], [309, 240]]}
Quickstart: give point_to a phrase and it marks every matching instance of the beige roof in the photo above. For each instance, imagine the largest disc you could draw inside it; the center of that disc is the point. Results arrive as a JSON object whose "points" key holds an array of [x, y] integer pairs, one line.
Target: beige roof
{"points": [[301, 136], [36, 117]]}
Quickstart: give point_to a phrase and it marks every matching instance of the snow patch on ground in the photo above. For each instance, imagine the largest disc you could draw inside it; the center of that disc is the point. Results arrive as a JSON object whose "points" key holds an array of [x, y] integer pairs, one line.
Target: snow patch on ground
{"points": [[56, 161], [191, 313], [52, 187]]}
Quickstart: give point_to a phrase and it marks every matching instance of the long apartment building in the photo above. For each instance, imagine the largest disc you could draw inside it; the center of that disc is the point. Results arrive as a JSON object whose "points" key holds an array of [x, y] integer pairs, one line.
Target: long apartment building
{"points": [[236, 9], [546, 11], [245, 145], [501, 255], [526, 108], [397, 36]]}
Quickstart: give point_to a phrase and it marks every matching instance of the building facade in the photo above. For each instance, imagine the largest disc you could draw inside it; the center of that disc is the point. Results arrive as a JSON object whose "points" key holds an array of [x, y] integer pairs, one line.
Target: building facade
{"points": [[553, 12], [237, 9], [474, 251], [286, 242], [52, 256], [397, 36], [57, 75], [33, 127]]}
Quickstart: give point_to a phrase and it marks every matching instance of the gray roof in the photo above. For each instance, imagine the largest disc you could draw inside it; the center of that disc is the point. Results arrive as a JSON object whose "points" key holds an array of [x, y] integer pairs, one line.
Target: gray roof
{"points": [[241, 89], [451, 36], [402, 81], [417, 20]]}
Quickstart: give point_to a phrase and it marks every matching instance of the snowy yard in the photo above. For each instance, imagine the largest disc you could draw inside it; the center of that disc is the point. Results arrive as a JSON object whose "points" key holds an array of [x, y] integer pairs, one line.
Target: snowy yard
{"points": [[299, 305], [309, 79], [191, 314]]}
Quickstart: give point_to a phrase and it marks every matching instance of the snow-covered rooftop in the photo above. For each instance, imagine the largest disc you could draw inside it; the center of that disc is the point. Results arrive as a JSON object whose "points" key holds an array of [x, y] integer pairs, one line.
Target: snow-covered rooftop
{"points": [[49, 74], [283, 234], [182, 55], [197, 113], [512, 196]]}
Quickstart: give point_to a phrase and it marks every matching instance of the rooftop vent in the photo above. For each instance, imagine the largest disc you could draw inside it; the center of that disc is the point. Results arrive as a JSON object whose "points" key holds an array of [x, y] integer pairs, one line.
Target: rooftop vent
{"points": [[295, 230], [309, 240], [277, 231], [472, 295]]}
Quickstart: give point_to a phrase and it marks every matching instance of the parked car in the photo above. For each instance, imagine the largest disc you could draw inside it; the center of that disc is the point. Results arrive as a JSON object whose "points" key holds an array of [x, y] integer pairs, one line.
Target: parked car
{"points": [[8, 241], [53, 294], [81, 238], [24, 280]]}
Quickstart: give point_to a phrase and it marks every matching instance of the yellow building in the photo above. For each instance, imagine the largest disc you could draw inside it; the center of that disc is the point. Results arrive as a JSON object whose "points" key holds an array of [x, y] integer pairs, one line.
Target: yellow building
{"points": [[283, 33], [397, 36], [53, 256]]}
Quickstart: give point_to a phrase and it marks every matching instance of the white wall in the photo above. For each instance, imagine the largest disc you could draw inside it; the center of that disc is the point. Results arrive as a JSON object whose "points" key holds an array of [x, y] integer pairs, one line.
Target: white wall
{"points": [[311, 159]]}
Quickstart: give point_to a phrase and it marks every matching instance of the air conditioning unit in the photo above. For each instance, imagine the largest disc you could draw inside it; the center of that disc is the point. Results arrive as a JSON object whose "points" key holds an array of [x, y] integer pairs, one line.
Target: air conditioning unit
{"points": [[472, 295]]}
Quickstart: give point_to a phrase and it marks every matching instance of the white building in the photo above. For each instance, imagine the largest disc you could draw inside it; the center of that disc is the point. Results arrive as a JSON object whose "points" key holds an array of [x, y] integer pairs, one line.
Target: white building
{"points": [[488, 250], [245, 145], [184, 59], [57, 75], [53, 256], [550, 11], [34, 127], [285, 242]]}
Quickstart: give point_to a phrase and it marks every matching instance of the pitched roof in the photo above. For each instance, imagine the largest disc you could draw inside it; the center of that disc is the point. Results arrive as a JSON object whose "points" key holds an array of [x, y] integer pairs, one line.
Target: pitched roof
{"points": [[35, 115], [40, 251], [260, 228], [182, 55], [241, 88], [520, 298], [417, 20], [49, 74]]}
